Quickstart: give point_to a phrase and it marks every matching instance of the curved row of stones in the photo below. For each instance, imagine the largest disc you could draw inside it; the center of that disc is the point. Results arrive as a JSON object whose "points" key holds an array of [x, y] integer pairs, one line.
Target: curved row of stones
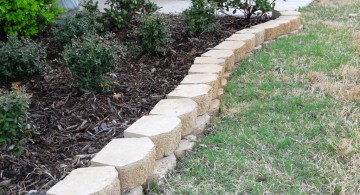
{"points": [[152, 144]]}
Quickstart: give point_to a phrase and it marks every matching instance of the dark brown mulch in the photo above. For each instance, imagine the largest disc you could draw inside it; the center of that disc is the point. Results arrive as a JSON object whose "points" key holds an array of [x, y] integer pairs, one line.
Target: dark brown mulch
{"points": [[73, 125]]}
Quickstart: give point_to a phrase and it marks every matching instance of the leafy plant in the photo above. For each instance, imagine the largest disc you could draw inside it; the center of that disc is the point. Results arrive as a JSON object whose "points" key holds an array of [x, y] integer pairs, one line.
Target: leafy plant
{"points": [[89, 58], [27, 17], [153, 34], [83, 23], [248, 7], [20, 58], [122, 11], [200, 17], [14, 126]]}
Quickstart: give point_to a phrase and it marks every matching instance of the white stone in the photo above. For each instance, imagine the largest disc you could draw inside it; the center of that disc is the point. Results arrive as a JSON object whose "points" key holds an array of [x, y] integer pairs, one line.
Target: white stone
{"points": [[212, 80], [214, 108], [290, 13], [207, 69], [164, 131], [249, 40], [185, 147], [238, 47], [227, 55], [200, 93], [133, 158], [201, 122], [295, 21], [221, 93], [259, 34], [223, 82], [136, 191], [91, 180], [210, 60], [185, 109], [162, 168]]}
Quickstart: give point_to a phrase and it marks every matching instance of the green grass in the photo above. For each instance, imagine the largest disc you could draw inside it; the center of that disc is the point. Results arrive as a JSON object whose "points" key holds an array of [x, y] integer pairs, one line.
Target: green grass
{"points": [[280, 132]]}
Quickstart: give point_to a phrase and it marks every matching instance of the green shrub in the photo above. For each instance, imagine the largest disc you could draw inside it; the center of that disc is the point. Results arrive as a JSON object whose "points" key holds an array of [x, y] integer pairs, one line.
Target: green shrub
{"points": [[248, 7], [20, 58], [14, 126], [78, 25], [88, 59], [122, 11], [27, 17], [153, 34], [199, 18]]}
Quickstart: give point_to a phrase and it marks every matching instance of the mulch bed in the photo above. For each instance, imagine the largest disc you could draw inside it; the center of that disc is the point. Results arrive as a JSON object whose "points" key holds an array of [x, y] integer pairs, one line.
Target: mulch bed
{"points": [[73, 125]]}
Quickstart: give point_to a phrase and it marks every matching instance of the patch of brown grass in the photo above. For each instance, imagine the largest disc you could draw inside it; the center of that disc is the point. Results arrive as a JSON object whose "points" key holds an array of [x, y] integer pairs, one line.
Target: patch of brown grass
{"points": [[316, 77]]}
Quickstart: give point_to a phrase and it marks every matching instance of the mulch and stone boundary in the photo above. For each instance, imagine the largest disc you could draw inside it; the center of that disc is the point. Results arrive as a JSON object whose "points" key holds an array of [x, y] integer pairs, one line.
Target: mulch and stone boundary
{"points": [[152, 144]]}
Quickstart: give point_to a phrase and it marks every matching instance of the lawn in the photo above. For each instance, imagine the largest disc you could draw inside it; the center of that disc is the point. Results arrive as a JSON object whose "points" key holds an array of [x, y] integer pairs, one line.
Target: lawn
{"points": [[290, 118]]}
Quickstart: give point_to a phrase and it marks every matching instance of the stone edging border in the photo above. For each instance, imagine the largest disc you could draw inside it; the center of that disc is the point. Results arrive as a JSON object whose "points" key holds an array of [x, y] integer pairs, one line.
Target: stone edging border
{"points": [[151, 145]]}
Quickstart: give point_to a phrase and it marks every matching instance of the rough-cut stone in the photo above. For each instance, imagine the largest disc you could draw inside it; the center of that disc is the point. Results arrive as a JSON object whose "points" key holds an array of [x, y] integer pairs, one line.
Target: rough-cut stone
{"points": [[221, 93], [162, 168], [201, 122], [133, 158], [259, 34], [164, 131], [209, 79], [295, 21], [227, 75], [200, 93], [185, 109], [91, 180], [238, 47], [136, 191], [249, 40], [214, 108], [227, 55], [285, 26], [210, 60], [223, 82], [272, 30], [185, 146], [290, 13], [207, 69]]}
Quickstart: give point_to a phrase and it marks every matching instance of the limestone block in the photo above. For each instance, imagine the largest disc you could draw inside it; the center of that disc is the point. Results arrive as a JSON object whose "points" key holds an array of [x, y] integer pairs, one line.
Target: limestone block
{"points": [[136, 191], [223, 82], [210, 60], [259, 34], [200, 93], [295, 21], [164, 131], [185, 109], [214, 108], [238, 47], [185, 146], [162, 168], [201, 122], [133, 158], [285, 26], [209, 79], [91, 180], [249, 40], [227, 75], [272, 30], [290, 13], [221, 93], [207, 69], [227, 55]]}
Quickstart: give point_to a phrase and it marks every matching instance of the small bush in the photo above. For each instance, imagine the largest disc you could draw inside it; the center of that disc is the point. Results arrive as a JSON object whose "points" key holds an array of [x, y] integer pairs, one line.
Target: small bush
{"points": [[199, 18], [27, 18], [14, 127], [153, 34], [83, 23], [20, 58], [122, 11], [88, 59], [248, 7]]}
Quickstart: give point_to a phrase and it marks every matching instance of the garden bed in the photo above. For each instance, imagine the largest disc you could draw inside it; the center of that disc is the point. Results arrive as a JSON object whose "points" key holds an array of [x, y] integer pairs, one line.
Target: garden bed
{"points": [[73, 124]]}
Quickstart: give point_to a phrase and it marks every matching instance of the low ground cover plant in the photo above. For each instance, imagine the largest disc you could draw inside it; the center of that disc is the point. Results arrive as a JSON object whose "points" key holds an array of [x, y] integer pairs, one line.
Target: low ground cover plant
{"points": [[28, 18], [14, 126], [21, 57], [199, 18]]}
